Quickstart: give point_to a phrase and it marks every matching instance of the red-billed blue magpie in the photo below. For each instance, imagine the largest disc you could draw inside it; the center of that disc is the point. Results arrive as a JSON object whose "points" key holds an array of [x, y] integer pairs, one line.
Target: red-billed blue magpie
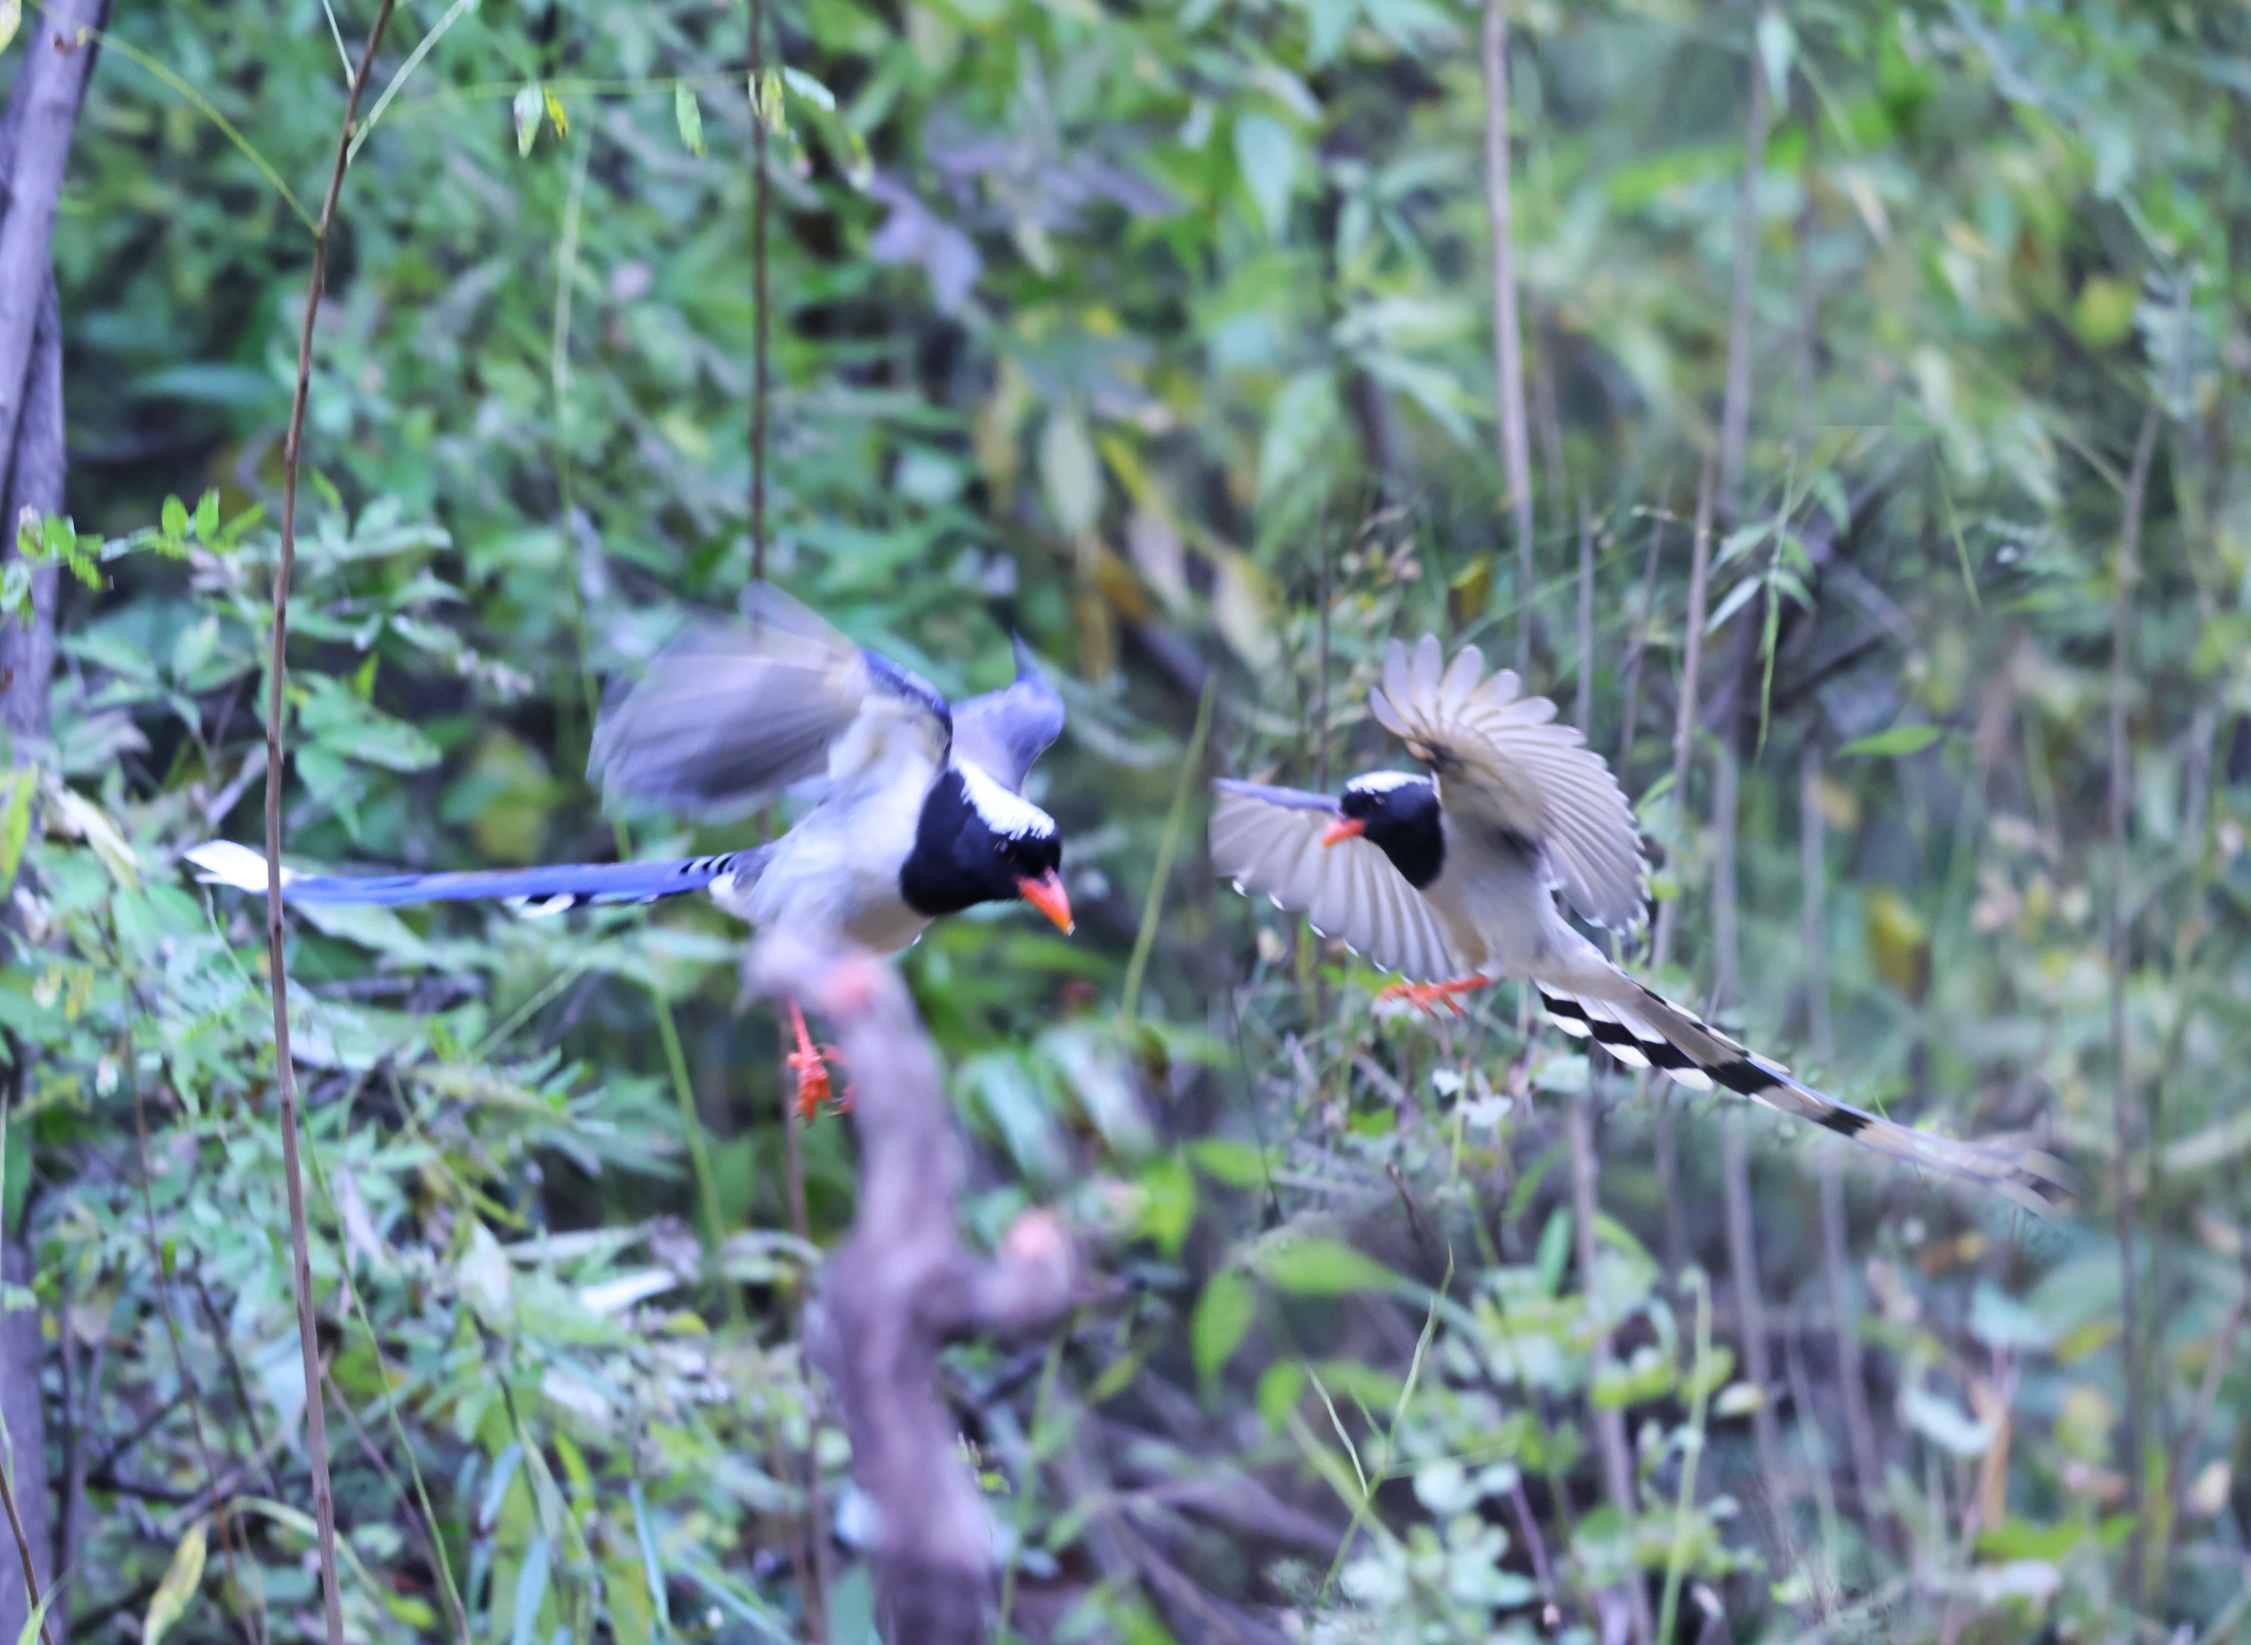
{"points": [[1449, 878], [920, 810]]}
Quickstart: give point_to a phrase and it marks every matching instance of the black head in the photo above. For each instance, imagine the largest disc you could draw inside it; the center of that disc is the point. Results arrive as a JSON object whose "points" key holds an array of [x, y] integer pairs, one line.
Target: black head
{"points": [[1399, 815], [977, 841]]}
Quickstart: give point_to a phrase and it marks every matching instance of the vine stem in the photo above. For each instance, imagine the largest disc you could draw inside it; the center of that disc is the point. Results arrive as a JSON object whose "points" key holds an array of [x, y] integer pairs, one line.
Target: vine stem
{"points": [[285, 1073], [762, 333]]}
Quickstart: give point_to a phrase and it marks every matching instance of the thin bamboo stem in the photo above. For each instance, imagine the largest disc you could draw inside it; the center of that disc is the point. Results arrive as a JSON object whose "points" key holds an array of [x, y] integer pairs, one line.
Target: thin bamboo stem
{"points": [[1508, 334], [285, 1072]]}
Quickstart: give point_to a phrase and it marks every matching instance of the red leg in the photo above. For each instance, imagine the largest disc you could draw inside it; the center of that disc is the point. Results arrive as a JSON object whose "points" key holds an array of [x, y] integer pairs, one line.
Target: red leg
{"points": [[1429, 996], [808, 1064]]}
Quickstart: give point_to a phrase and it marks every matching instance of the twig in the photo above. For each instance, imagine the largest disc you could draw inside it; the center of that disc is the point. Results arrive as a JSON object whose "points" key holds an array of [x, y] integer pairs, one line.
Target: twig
{"points": [[188, 1390], [2208, 1392], [1735, 408], [285, 1073], [1676, 1561], [2122, 1111], [1191, 770], [1640, 647], [23, 1552], [1684, 737], [1586, 621], [1508, 338], [1735, 1158], [424, 1527], [1609, 1421]]}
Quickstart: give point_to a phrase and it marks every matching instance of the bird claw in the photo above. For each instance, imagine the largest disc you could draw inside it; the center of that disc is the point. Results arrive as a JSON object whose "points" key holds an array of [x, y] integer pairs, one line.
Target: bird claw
{"points": [[809, 1062], [1430, 996]]}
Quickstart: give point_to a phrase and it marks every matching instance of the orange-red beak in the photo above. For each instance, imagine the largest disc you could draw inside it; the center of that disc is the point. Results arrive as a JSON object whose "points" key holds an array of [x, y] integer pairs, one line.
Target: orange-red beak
{"points": [[1046, 895], [1344, 828]]}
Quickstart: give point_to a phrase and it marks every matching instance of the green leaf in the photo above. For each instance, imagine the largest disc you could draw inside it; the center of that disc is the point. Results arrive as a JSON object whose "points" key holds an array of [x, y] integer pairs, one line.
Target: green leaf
{"points": [[689, 115], [1237, 1164], [1070, 473], [2021, 1539], [531, 1591], [1280, 1387], [1554, 1253], [1899, 741], [1221, 1321], [38, 1618], [525, 108], [15, 824], [1308, 1265], [175, 517], [207, 516], [178, 1588], [11, 18], [1267, 152]]}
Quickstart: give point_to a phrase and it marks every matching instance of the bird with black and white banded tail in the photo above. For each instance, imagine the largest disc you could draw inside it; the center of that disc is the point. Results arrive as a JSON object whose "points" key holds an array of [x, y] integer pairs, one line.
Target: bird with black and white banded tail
{"points": [[1448, 879], [919, 808]]}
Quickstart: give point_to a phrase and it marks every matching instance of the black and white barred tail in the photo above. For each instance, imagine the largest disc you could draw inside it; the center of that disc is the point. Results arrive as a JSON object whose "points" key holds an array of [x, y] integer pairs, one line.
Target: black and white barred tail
{"points": [[1643, 1029], [551, 889]]}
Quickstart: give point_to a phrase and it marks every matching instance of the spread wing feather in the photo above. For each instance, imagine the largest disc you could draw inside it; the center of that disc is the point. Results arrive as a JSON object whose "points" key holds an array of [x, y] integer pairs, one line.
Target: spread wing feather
{"points": [[1268, 840], [733, 712], [1501, 759]]}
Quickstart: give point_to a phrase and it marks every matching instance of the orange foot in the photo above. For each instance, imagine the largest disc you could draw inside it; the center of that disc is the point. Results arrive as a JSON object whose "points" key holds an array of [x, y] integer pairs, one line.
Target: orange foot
{"points": [[809, 1062], [1429, 996]]}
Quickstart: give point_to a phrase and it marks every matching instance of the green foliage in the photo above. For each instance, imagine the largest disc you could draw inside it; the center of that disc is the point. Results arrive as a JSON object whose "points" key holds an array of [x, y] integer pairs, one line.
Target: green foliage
{"points": [[1160, 336]]}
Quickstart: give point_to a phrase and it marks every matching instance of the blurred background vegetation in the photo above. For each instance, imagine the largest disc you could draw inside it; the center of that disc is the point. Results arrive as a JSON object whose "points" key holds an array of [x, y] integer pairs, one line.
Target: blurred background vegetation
{"points": [[1163, 334]]}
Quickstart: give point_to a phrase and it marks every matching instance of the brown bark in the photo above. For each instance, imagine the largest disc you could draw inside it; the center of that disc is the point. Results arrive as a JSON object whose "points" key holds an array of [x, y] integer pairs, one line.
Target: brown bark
{"points": [[901, 1286], [35, 137]]}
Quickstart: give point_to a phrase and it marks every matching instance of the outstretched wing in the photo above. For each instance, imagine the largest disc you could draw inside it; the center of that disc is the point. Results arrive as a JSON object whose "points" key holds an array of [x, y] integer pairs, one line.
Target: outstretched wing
{"points": [[1501, 760], [1003, 732], [1268, 840], [733, 712]]}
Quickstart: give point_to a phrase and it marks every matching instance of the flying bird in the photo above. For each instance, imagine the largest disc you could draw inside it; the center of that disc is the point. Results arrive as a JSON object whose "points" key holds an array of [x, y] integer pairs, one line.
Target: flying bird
{"points": [[920, 809], [1448, 878]]}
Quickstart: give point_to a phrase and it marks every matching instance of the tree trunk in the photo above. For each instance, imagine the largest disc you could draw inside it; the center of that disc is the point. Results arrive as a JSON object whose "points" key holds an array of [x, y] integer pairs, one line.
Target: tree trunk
{"points": [[34, 146]]}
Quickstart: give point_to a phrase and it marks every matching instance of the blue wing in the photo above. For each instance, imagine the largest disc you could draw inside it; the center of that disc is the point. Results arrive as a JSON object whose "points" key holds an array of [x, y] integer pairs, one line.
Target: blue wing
{"points": [[1003, 732]]}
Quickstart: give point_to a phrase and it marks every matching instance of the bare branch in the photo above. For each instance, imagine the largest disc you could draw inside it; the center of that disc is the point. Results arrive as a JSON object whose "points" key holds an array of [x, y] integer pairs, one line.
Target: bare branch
{"points": [[902, 1285]]}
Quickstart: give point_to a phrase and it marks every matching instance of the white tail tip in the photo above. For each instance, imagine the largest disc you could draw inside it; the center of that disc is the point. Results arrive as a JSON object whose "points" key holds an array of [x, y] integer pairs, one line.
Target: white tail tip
{"points": [[222, 862]]}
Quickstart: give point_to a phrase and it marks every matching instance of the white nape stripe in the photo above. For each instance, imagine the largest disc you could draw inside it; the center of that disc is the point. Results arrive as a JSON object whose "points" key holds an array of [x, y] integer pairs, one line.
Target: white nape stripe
{"points": [[1382, 782], [1005, 811]]}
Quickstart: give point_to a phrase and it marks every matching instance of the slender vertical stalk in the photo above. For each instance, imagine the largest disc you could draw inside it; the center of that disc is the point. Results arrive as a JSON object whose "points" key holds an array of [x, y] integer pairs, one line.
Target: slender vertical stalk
{"points": [[1586, 622], [1640, 647], [1609, 1422], [1735, 408], [2131, 1429], [285, 1072], [23, 1552], [1676, 1560], [1852, 1379], [761, 208], [1508, 336], [1684, 738], [1735, 1155]]}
